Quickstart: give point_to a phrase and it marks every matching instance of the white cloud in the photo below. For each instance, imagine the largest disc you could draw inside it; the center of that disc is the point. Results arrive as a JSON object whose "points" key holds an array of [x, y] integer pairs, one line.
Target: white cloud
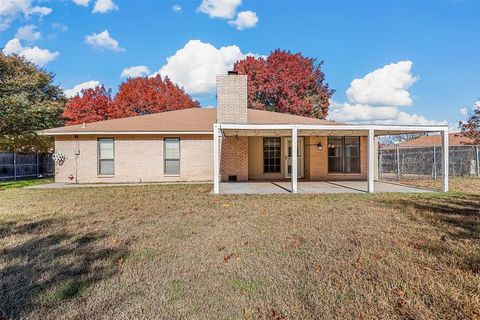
{"points": [[135, 71], [219, 8], [361, 113], [346, 112], [60, 27], [12, 9], [376, 98], [103, 40], [34, 54], [104, 6], [467, 111], [197, 64], [385, 86], [79, 87], [82, 2], [177, 8], [28, 33], [245, 20]]}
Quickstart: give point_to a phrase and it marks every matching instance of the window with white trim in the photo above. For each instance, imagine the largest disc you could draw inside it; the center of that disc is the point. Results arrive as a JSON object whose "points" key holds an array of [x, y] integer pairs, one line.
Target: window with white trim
{"points": [[271, 155], [344, 154], [106, 156], [171, 156]]}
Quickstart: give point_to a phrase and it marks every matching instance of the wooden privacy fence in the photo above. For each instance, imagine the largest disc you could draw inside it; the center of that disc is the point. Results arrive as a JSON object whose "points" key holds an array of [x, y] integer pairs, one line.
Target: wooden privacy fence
{"points": [[17, 166]]}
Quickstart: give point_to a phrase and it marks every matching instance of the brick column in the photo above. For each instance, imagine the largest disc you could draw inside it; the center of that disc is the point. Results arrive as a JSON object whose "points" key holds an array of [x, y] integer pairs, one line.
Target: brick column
{"points": [[234, 158]]}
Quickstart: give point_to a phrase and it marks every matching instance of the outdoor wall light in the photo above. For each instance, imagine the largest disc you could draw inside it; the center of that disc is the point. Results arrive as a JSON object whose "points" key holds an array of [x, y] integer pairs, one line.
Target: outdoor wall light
{"points": [[319, 146]]}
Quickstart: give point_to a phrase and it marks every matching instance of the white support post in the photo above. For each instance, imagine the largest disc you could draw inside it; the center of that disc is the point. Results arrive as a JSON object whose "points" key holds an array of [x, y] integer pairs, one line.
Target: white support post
{"points": [[371, 161], [216, 160], [445, 160], [294, 160]]}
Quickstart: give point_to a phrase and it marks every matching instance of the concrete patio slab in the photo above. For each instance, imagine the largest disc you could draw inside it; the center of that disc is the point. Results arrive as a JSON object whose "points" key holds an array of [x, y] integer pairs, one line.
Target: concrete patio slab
{"points": [[273, 187], [264, 187]]}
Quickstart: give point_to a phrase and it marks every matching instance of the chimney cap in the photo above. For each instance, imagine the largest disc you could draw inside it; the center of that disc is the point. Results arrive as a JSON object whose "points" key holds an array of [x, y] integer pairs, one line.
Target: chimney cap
{"points": [[232, 72]]}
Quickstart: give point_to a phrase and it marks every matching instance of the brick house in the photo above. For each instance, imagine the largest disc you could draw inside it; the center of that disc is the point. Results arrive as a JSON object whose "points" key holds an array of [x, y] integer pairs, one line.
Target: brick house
{"points": [[229, 143]]}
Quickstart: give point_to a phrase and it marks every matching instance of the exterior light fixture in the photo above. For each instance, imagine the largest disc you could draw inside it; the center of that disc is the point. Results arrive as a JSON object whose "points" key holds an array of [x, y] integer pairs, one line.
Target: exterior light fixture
{"points": [[319, 146]]}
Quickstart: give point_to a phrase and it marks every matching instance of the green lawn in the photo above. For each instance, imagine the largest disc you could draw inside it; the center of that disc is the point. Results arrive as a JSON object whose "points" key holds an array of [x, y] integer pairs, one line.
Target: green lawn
{"points": [[24, 183], [179, 252]]}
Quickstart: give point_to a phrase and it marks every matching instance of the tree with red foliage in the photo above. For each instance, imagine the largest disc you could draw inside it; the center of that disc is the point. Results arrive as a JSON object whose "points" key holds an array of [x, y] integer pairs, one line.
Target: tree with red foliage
{"points": [[286, 82], [471, 127], [89, 106], [144, 95]]}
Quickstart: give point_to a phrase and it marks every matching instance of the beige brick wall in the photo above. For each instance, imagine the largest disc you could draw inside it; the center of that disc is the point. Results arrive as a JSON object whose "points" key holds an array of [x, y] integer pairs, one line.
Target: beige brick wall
{"points": [[316, 167], [137, 159], [255, 160], [316, 161], [234, 158], [232, 99]]}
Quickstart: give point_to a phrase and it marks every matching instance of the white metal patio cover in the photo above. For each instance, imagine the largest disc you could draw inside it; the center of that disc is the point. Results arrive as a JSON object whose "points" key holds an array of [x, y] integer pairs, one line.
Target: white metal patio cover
{"points": [[371, 131]]}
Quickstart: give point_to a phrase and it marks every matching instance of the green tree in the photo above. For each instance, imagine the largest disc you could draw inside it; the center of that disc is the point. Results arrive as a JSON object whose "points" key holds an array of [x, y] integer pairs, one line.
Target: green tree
{"points": [[29, 101]]}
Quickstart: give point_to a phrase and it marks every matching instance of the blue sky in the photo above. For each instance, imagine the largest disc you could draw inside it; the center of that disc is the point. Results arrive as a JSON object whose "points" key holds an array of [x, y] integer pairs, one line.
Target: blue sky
{"points": [[416, 61]]}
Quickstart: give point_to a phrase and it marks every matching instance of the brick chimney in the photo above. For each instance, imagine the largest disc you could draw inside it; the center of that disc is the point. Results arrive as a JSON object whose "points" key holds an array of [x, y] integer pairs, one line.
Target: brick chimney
{"points": [[232, 98]]}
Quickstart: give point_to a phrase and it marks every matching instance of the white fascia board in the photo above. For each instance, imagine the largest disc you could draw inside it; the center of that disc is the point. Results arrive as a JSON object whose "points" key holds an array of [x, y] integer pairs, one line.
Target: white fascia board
{"points": [[256, 126], [366, 127], [122, 133]]}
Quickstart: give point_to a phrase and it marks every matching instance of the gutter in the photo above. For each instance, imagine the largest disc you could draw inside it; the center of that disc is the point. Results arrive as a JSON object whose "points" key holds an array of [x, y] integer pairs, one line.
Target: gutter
{"points": [[75, 133]]}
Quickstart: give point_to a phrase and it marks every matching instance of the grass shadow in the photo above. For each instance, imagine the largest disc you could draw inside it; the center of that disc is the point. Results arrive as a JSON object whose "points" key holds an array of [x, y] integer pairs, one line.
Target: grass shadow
{"points": [[457, 215], [43, 269]]}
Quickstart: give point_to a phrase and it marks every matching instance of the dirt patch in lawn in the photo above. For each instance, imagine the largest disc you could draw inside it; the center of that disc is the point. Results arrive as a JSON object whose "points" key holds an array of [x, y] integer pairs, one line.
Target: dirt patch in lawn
{"points": [[178, 251]]}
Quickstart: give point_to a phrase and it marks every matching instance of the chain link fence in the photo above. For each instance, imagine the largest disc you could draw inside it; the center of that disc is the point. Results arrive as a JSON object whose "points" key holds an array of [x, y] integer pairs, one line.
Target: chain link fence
{"points": [[18, 166], [403, 163]]}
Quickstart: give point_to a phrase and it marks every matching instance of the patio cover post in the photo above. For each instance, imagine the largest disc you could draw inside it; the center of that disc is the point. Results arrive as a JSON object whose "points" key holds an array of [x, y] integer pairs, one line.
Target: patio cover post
{"points": [[371, 161], [216, 160], [294, 159], [445, 159]]}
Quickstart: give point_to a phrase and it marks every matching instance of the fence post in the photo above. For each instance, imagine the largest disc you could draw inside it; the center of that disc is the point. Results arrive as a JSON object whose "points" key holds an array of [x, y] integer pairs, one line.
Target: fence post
{"points": [[14, 166], [434, 163], [380, 164], [478, 161], [397, 158], [38, 164]]}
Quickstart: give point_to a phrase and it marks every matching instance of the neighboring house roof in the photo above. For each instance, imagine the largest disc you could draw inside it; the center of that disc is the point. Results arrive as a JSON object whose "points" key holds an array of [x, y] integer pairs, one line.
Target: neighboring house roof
{"points": [[193, 120], [454, 139]]}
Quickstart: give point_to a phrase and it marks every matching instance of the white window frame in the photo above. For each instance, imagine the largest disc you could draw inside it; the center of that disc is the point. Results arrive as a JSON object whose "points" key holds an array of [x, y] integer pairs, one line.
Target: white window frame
{"points": [[99, 159], [165, 159]]}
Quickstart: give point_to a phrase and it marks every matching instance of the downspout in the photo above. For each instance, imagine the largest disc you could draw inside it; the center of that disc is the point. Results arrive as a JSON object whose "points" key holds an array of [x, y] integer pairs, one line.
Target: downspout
{"points": [[77, 154]]}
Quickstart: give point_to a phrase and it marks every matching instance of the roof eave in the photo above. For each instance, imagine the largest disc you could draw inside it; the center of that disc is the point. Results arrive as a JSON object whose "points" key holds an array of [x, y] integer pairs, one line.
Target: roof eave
{"points": [[73, 133]]}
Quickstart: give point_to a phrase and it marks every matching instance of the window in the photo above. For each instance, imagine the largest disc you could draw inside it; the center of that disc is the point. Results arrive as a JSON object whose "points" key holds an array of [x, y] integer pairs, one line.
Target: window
{"points": [[172, 155], [344, 154], [271, 155], [106, 156]]}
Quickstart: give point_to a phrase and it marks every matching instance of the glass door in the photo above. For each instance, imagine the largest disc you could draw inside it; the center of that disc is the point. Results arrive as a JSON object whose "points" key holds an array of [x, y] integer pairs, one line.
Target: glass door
{"points": [[288, 157]]}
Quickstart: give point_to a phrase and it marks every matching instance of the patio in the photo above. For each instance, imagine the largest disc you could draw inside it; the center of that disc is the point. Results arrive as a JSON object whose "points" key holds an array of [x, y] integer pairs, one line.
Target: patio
{"points": [[371, 134], [312, 187]]}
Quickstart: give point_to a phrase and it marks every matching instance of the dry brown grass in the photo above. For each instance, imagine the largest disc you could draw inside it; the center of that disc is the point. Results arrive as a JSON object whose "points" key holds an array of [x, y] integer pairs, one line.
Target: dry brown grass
{"points": [[466, 184], [179, 252]]}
